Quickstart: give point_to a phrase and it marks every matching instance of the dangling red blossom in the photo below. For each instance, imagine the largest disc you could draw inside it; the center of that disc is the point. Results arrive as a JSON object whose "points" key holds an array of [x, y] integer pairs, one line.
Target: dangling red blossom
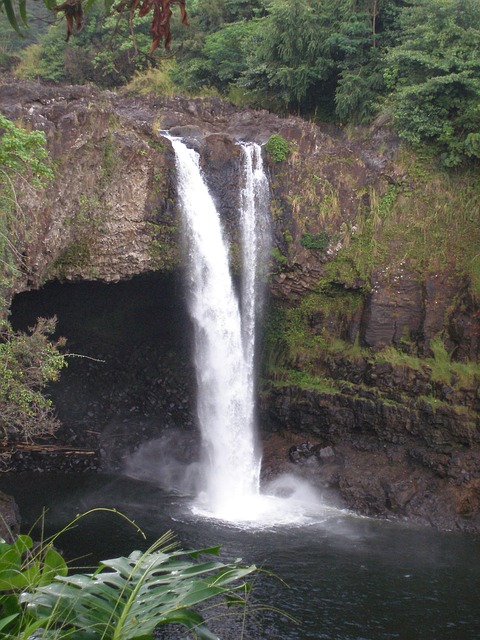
{"points": [[73, 11]]}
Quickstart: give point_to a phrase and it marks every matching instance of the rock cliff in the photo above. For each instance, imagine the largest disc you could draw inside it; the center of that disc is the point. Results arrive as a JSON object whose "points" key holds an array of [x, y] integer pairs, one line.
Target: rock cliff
{"points": [[371, 343]]}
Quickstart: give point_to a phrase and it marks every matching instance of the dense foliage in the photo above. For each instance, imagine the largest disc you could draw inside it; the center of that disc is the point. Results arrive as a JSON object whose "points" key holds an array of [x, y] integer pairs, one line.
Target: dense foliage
{"points": [[434, 72], [415, 61], [24, 161], [28, 362], [123, 599]]}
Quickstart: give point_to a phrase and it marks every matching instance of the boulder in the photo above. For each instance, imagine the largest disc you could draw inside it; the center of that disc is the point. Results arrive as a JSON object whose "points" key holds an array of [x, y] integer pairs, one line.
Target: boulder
{"points": [[9, 517]]}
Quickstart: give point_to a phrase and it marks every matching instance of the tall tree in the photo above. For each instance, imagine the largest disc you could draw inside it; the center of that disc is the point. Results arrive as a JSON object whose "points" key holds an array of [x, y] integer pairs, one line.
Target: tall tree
{"points": [[322, 56], [288, 61], [434, 74]]}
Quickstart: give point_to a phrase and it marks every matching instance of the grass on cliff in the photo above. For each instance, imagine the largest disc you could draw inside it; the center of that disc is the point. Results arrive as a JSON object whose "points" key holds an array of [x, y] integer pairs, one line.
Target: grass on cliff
{"points": [[153, 80], [427, 219], [421, 216], [299, 334], [301, 342]]}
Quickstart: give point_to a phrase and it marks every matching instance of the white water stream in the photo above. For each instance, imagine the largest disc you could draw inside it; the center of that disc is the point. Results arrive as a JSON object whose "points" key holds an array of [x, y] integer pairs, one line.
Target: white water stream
{"points": [[224, 333], [225, 330]]}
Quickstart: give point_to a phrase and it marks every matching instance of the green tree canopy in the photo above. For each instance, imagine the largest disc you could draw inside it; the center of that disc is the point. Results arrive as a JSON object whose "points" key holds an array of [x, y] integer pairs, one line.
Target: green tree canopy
{"points": [[434, 72], [313, 55]]}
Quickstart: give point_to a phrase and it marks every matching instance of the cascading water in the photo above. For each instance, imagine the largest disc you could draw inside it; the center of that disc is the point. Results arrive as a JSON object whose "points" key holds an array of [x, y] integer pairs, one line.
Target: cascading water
{"points": [[224, 331], [255, 230]]}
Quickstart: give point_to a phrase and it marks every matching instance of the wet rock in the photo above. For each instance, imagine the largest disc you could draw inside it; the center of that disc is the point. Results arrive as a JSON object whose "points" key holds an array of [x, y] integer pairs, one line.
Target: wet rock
{"points": [[300, 452], [393, 309], [436, 461], [402, 460], [363, 494], [325, 453], [221, 162], [9, 518]]}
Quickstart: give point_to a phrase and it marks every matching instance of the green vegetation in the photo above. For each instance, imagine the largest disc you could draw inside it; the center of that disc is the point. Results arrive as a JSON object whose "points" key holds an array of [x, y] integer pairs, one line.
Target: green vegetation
{"points": [[280, 259], [298, 338], [416, 62], [11, 44], [164, 248], [434, 72], [302, 343], [76, 256], [23, 158], [278, 148], [427, 221], [103, 52], [28, 362], [315, 241], [123, 599]]}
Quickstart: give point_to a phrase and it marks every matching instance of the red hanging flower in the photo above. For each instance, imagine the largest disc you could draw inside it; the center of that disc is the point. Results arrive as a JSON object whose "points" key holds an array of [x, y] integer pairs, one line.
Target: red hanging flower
{"points": [[73, 11], [161, 19]]}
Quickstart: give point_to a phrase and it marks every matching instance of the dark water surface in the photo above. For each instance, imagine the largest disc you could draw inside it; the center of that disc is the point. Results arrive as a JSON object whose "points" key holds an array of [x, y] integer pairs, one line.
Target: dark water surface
{"points": [[346, 578]]}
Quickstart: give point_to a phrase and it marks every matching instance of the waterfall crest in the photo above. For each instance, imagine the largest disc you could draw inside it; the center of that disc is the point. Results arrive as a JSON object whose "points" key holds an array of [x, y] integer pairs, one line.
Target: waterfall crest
{"points": [[224, 329]]}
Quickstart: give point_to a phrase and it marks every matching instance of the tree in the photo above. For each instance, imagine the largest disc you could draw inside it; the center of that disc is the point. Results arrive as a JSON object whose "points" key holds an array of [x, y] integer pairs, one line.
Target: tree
{"points": [[287, 61], [28, 362], [363, 28], [219, 61], [434, 74], [322, 57]]}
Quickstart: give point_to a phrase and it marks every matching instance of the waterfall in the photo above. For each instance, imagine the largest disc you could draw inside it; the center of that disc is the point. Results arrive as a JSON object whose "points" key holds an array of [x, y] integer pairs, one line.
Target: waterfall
{"points": [[224, 328]]}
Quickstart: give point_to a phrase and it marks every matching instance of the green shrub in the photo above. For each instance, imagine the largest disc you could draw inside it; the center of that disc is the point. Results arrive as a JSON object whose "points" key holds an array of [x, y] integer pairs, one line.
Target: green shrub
{"points": [[22, 153], [278, 148], [24, 566], [441, 365], [315, 241], [278, 256], [123, 599], [28, 362]]}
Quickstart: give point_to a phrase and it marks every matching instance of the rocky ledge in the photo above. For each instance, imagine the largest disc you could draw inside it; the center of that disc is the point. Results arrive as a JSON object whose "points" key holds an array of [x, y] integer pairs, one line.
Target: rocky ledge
{"points": [[402, 461]]}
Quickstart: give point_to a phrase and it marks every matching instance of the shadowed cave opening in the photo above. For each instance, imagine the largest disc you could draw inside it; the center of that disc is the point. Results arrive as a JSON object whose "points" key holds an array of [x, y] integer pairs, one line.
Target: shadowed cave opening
{"points": [[131, 377]]}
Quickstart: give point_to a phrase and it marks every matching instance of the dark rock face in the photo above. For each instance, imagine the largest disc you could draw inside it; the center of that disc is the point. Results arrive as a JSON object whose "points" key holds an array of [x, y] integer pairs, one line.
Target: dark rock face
{"points": [[393, 310], [221, 163], [130, 377], [9, 518], [390, 461]]}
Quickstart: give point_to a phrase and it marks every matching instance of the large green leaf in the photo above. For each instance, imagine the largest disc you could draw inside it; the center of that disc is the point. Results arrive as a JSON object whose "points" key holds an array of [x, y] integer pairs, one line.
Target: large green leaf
{"points": [[129, 596], [10, 11], [22, 567]]}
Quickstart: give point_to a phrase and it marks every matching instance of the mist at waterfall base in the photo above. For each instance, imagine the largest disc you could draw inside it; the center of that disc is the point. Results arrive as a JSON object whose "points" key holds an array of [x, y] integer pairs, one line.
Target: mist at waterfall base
{"points": [[286, 501]]}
